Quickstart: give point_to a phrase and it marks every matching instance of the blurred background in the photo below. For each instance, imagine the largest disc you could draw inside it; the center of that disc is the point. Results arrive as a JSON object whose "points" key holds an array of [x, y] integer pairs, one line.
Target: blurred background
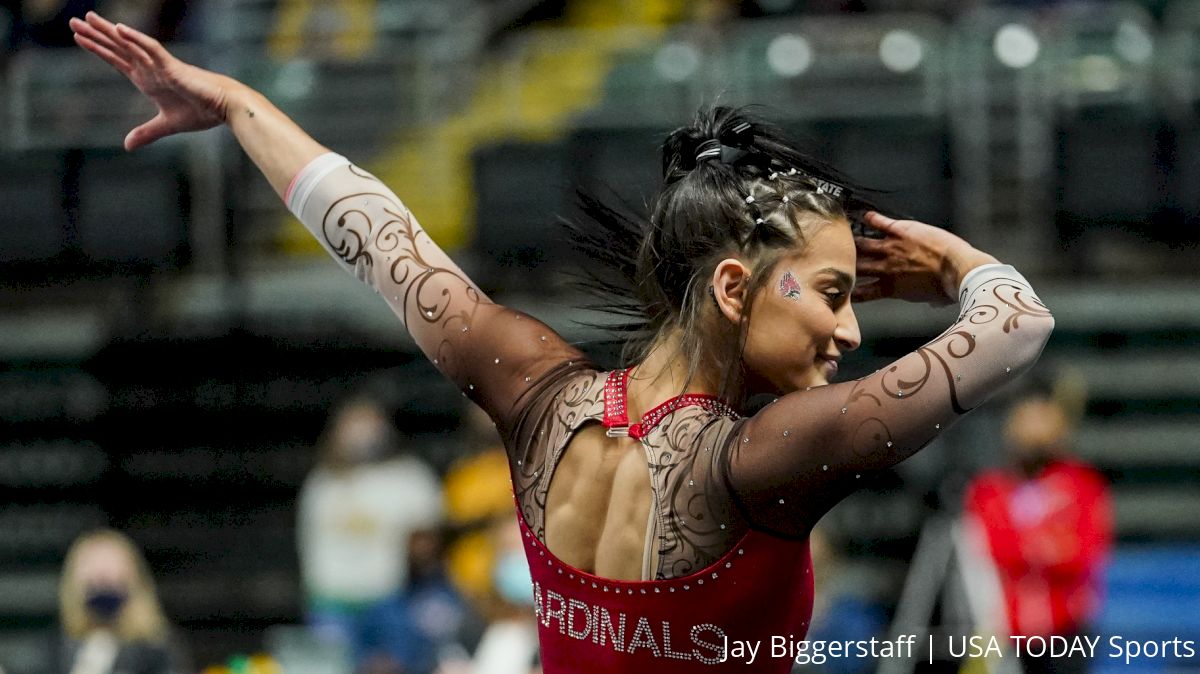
{"points": [[181, 363]]}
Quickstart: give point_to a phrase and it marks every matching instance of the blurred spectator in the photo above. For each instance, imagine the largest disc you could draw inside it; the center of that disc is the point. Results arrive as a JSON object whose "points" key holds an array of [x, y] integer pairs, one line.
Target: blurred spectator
{"points": [[429, 624], [110, 615], [1048, 523], [358, 511], [478, 490], [843, 609], [343, 29], [510, 643], [488, 560], [478, 486]]}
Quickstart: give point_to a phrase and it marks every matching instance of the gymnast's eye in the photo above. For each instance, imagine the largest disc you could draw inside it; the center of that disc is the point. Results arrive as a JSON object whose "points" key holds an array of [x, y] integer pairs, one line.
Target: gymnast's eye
{"points": [[834, 297]]}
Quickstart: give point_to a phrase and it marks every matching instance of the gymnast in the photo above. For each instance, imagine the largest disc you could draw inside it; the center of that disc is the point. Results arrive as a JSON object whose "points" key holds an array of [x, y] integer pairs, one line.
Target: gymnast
{"points": [[664, 528]]}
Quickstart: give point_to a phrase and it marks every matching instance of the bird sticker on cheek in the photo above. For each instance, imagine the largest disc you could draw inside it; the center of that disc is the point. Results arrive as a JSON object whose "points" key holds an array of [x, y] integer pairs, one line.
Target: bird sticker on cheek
{"points": [[789, 287]]}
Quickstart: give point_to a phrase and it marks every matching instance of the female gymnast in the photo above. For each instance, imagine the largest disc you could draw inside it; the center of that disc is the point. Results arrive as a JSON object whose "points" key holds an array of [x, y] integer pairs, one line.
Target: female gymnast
{"points": [[662, 528]]}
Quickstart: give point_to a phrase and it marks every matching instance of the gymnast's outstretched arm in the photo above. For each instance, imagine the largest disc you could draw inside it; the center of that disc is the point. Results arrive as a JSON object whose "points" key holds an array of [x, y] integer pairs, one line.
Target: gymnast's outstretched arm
{"points": [[492, 353]]}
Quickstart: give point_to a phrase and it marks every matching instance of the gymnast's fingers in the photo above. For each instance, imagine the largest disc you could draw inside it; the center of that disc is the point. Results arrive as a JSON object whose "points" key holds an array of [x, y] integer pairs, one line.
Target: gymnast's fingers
{"points": [[81, 27], [868, 246], [104, 53], [106, 29], [153, 48]]}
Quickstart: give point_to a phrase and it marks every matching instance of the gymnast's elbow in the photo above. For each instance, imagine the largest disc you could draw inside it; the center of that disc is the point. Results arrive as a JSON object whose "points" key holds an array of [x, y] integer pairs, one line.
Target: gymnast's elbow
{"points": [[1032, 335]]}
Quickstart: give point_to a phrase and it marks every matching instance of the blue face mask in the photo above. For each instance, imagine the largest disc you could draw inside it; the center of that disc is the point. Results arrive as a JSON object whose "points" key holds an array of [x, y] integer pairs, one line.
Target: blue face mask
{"points": [[511, 577], [105, 603]]}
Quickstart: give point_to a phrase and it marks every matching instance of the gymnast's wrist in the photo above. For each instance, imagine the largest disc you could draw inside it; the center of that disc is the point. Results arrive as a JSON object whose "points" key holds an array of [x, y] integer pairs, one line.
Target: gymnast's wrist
{"points": [[239, 97], [960, 260]]}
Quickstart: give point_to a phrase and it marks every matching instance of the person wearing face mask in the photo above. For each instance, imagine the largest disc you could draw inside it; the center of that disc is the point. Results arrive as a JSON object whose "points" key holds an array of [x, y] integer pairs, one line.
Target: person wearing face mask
{"points": [[428, 628], [509, 645], [358, 511], [112, 622], [1047, 521]]}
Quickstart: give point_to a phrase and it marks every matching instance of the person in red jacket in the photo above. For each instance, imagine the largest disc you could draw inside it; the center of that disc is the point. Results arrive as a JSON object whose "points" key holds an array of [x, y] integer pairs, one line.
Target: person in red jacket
{"points": [[1048, 522]]}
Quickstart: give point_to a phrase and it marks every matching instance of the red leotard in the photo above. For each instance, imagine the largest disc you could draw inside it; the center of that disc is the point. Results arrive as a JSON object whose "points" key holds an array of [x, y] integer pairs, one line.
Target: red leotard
{"points": [[591, 624], [761, 588]]}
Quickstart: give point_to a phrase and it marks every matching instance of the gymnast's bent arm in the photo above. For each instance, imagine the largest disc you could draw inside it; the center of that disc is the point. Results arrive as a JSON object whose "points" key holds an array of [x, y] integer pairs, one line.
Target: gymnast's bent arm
{"points": [[799, 456], [490, 352]]}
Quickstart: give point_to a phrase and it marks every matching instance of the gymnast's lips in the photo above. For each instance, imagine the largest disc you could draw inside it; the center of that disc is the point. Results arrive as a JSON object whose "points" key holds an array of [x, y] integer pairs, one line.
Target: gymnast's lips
{"points": [[831, 362]]}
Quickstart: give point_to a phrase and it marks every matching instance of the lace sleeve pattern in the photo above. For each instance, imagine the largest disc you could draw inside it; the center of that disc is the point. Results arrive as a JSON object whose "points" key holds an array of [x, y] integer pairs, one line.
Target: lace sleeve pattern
{"points": [[490, 352]]}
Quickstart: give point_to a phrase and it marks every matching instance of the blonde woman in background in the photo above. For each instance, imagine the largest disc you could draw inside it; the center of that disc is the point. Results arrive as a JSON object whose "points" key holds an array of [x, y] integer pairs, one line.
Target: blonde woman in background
{"points": [[111, 617]]}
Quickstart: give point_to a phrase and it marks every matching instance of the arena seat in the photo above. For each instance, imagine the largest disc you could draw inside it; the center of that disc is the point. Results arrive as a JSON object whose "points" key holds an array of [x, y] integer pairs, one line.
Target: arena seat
{"points": [[132, 208], [1111, 183], [624, 162], [520, 191], [1108, 167], [906, 158], [32, 219]]}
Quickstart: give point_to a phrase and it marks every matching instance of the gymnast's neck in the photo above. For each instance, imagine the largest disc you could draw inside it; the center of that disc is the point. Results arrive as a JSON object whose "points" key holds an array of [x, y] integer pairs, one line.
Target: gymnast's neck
{"points": [[666, 373]]}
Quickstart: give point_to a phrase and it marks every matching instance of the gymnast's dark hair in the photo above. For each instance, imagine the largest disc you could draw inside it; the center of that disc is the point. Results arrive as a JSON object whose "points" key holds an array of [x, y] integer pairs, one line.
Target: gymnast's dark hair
{"points": [[732, 185]]}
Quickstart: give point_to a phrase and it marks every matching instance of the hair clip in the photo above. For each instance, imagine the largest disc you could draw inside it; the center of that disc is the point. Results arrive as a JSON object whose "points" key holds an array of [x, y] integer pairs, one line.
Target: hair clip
{"points": [[709, 148], [750, 199], [774, 175], [786, 199], [741, 128]]}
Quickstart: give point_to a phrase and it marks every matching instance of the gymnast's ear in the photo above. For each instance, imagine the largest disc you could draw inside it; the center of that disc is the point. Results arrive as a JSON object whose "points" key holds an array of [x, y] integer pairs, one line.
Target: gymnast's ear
{"points": [[730, 288]]}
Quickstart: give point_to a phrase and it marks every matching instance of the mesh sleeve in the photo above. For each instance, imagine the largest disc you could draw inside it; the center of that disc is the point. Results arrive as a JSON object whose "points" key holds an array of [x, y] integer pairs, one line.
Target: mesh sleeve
{"points": [[795, 459], [490, 352]]}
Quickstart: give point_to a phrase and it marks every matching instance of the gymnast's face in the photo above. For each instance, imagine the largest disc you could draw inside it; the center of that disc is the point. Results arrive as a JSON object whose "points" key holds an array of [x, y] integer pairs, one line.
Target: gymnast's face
{"points": [[801, 323]]}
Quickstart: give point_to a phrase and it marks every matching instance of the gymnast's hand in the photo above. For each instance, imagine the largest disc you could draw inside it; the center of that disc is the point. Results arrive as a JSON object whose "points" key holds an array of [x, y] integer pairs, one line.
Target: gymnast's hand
{"points": [[913, 261], [188, 98]]}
